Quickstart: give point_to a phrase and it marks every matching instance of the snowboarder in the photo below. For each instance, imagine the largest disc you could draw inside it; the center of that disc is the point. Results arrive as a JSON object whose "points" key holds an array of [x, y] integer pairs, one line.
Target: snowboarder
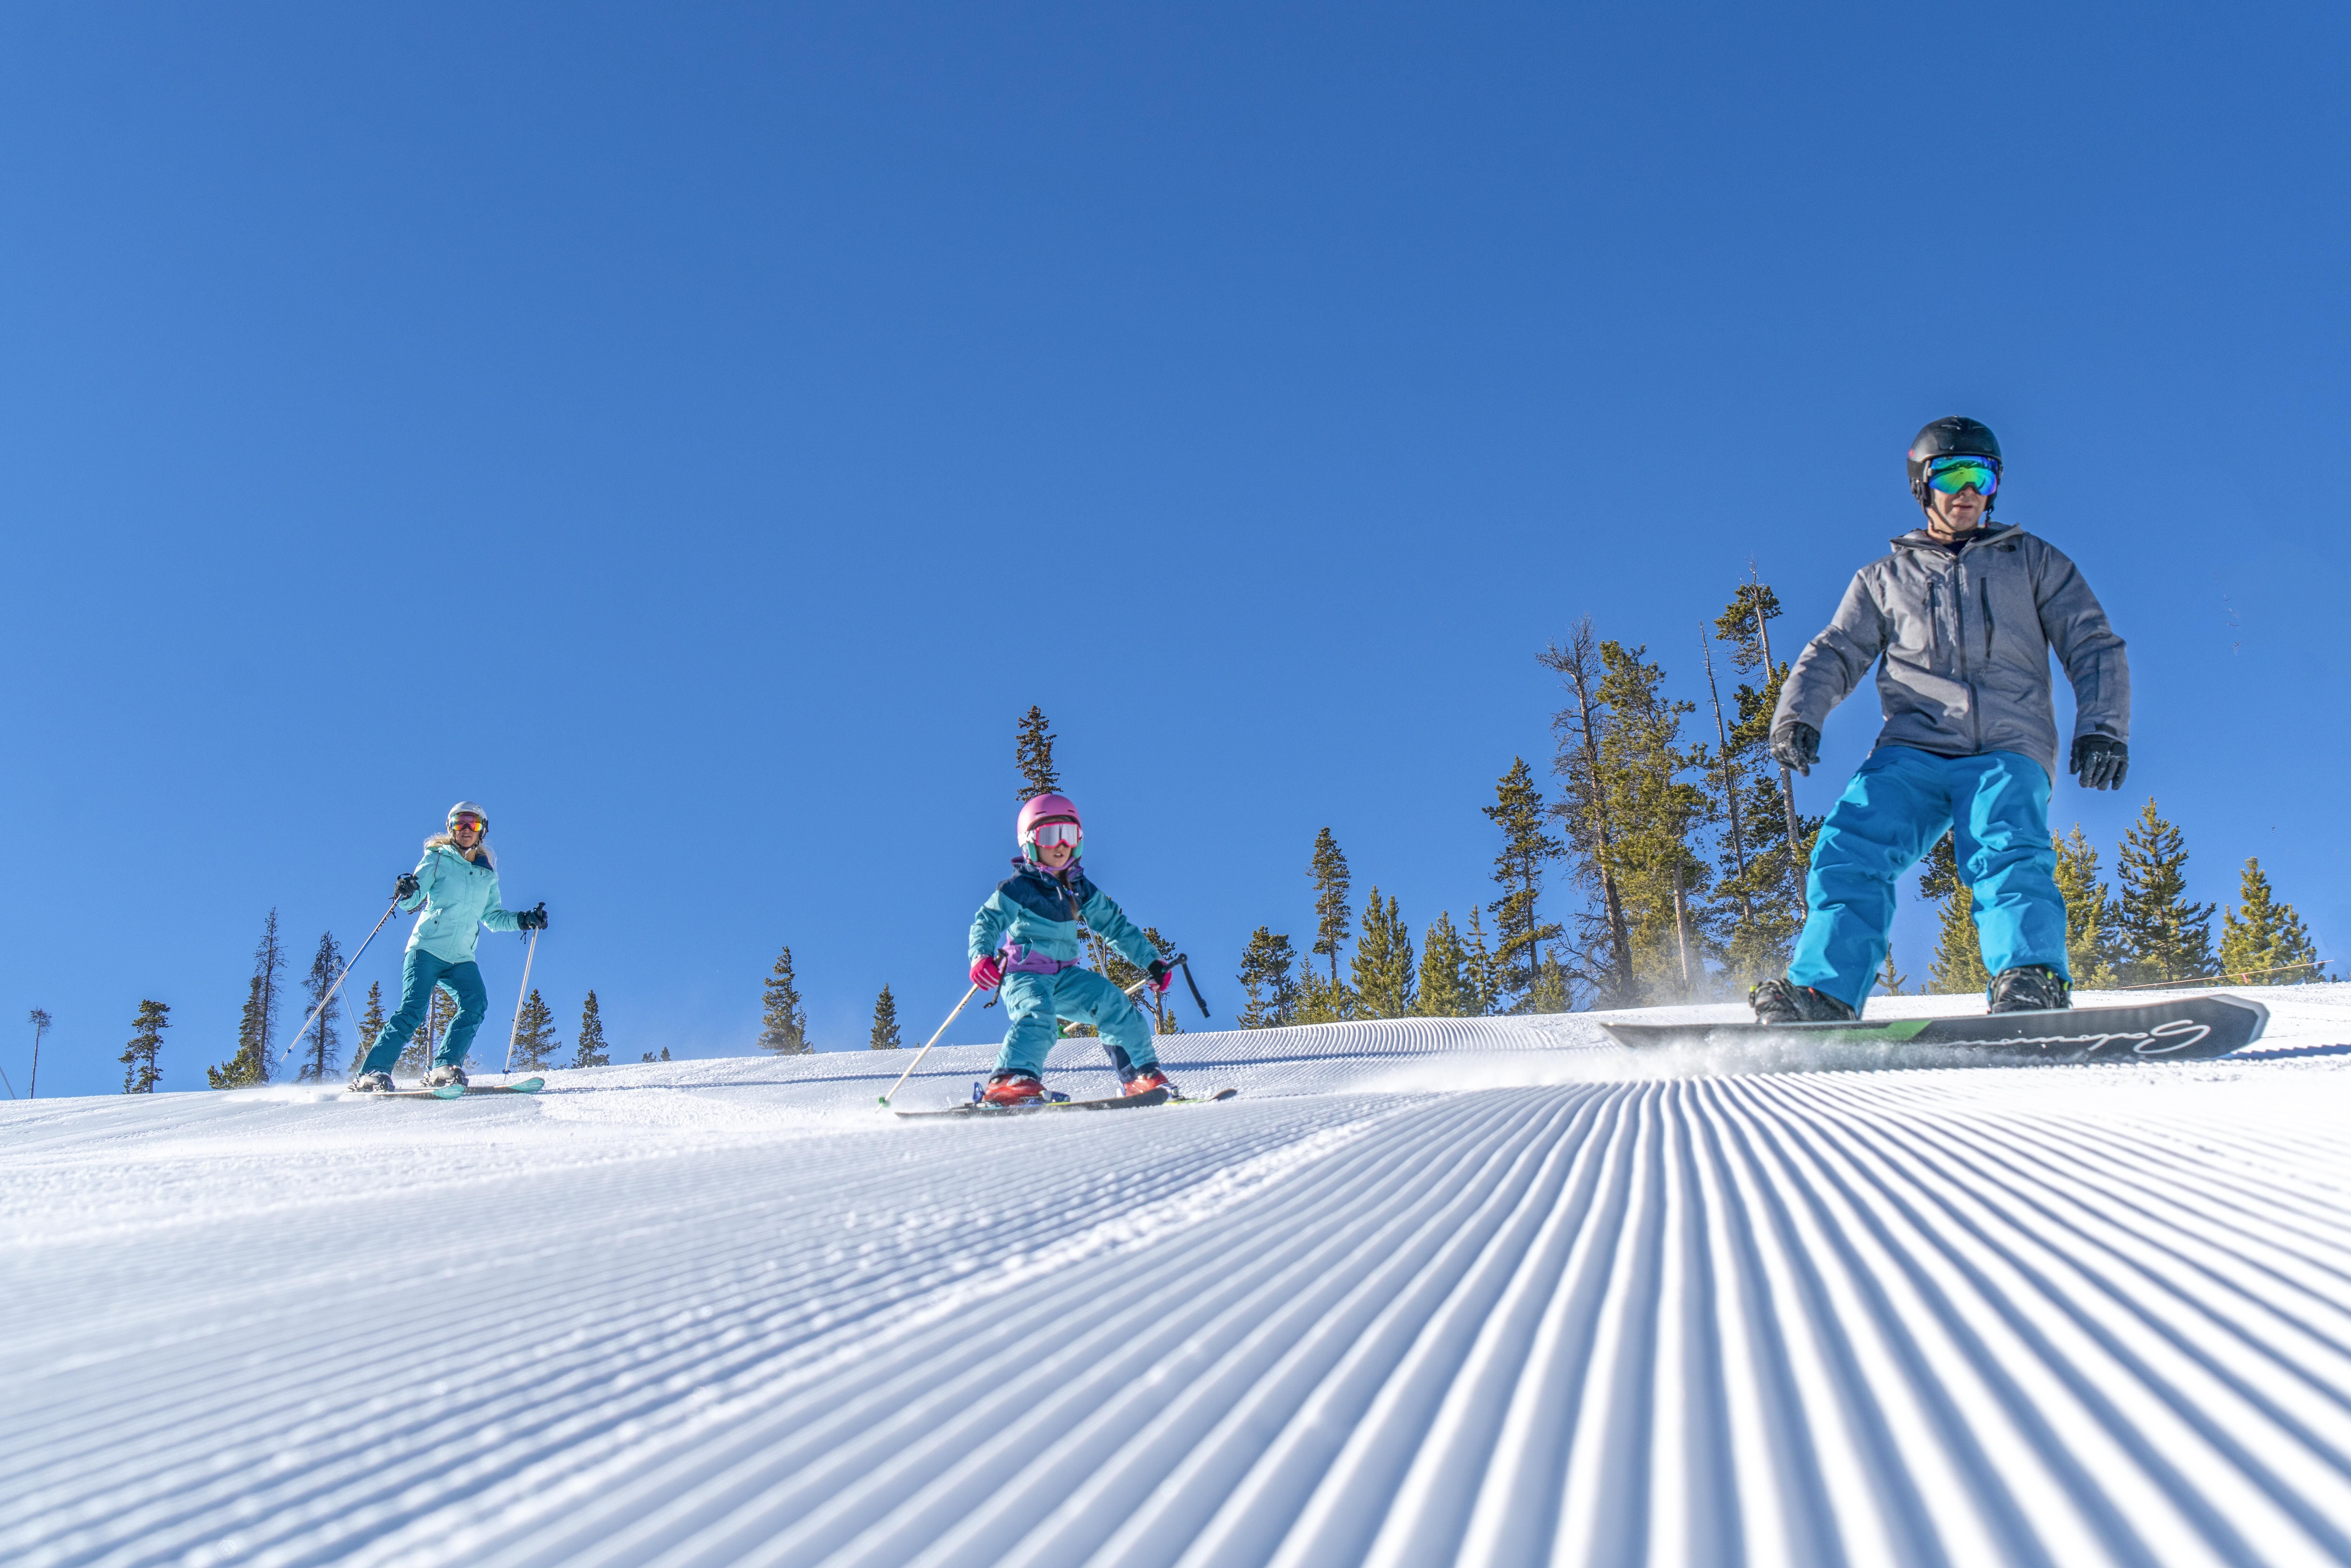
{"points": [[1963, 615], [458, 885], [1025, 938]]}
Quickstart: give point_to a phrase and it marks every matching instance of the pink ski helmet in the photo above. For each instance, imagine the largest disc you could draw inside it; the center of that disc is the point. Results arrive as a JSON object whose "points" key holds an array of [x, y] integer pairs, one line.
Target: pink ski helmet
{"points": [[1041, 809]]}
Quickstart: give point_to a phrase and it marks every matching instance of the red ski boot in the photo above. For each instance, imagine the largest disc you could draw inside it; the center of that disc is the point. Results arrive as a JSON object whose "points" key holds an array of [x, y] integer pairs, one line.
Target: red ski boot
{"points": [[1152, 1078], [1012, 1089]]}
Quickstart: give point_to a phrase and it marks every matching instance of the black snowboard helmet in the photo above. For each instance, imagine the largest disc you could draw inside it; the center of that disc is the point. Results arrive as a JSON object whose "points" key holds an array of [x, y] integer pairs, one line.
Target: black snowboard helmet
{"points": [[1955, 436]]}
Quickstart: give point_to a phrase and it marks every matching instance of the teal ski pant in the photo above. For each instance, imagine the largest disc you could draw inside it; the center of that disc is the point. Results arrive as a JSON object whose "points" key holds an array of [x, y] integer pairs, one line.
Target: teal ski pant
{"points": [[1899, 802], [1037, 1002], [418, 976]]}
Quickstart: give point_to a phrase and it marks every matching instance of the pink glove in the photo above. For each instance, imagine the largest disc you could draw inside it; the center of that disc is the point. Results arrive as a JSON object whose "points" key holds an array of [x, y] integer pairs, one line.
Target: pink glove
{"points": [[985, 973], [1162, 976]]}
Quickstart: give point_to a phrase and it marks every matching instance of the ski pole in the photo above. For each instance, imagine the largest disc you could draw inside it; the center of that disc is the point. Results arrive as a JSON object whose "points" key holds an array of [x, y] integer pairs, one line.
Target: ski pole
{"points": [[930, 1042], [1197, 1000], [333, 989], [528, 954]]}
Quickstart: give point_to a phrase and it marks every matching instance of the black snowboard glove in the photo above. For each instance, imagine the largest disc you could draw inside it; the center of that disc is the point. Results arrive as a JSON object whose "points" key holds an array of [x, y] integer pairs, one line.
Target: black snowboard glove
{"points": [[2101, 761], [1798, 746], [406, 886], [531, 919]]}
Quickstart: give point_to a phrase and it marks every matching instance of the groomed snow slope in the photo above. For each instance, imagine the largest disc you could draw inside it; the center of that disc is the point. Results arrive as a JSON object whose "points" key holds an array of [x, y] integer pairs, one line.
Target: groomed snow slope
{"points": [[1491, 1293]]}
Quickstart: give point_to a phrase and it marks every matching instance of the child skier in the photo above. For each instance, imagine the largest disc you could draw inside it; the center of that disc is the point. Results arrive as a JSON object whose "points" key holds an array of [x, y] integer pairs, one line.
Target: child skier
{"points": [[457, 884], [1025, 939]]}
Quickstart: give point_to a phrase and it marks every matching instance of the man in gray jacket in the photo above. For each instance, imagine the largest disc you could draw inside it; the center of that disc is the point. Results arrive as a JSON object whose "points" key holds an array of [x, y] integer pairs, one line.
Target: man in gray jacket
{"points": [[1959, 621]]}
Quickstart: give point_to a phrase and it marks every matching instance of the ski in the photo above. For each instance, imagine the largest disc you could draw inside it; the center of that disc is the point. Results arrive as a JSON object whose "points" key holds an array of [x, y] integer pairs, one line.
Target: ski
{"points": [[527, 1086], [985, 1112], [446, 1092], [2189, 1029], [1219, 1096]]}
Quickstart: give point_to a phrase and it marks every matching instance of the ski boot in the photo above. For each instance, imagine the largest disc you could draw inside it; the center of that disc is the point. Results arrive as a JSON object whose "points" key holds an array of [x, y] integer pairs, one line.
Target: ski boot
{"points": [[1012, 1089], [2029, 989], [1778, 1001], [371, 1084], [1150, 1078], [442, 1076]]}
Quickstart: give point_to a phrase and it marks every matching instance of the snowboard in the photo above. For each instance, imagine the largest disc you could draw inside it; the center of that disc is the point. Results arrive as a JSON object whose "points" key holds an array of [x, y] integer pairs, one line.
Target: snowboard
{"points": [[2187, 1028], [527, 1086]]}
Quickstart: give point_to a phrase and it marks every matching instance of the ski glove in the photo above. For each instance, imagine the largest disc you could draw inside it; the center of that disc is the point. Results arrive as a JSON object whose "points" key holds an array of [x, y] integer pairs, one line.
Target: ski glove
{"points": [[531, 919], [985, 974], [1798, 746], [1161, 976], [2101, 760], [406, 886]]}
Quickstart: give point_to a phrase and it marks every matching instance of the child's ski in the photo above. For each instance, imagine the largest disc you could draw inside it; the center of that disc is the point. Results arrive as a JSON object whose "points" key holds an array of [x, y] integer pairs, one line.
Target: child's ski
{"points": [[1220, 1094], [527, 1086], [983, 1113], [446, 1092]]}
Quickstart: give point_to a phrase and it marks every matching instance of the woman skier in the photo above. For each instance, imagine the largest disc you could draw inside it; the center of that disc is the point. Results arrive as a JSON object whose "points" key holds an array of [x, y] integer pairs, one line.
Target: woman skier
{"points": [[458, 885], [1025, 938]]}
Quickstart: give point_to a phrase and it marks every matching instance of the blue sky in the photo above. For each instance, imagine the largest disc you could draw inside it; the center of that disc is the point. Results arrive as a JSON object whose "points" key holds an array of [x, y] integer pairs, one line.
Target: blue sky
{"points": [[698, 433]]}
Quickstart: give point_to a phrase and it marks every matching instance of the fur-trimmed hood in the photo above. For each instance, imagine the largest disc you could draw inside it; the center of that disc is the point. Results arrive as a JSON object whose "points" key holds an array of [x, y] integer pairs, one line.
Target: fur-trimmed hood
{"points": [[448, 840]]}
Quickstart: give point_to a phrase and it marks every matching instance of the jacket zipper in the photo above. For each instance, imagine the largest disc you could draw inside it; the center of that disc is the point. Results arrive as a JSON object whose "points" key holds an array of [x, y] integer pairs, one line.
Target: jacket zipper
{"points": [[1983, 592]]}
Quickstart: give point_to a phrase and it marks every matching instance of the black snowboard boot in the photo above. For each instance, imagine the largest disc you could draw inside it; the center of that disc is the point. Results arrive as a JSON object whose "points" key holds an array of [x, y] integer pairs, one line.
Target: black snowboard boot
{"points": [[441, 1077], [1777, 1001], [371, 1084], [2029, 989]]}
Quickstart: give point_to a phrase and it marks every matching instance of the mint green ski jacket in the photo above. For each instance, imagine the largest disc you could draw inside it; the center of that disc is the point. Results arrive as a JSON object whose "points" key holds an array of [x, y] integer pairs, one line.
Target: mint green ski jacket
{"points": [[459, 897]]}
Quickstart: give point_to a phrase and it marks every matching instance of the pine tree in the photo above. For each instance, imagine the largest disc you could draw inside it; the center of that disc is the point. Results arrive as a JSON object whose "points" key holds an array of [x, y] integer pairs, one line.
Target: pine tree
{"points": [[649, 1056], [1479, 969], [1521, 932], [1769, 888], [371, 1024], [1447, 990], [245, 1066], [1267, 981], [2265, 942], [1382, 967], [1329, 869], [784, 1024], [1958, 966], [2162, 934], [885, 1022], [137, 1058], [258, 1026], [1585, 808], [535, 1042], [1032, 753], [1663, 881], [592, 1050], [2089, 913], [1551, 992], [326, 1051]]}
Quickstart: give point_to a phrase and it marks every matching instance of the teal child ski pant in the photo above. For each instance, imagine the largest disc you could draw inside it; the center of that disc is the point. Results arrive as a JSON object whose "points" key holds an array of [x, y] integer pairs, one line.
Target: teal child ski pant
{"points": [[1036, 1002], [1899, 802], [419, 974]]}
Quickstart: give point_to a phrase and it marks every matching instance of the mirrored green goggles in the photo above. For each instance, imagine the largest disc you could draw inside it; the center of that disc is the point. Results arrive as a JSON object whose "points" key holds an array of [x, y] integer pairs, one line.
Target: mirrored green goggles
{"points": [[1953, 474]]}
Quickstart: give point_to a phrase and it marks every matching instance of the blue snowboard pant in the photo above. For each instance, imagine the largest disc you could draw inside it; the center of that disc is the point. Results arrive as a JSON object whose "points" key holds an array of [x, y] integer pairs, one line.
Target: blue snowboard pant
{"points": [[418, 975], [1899, 804], [1037, 1003]]}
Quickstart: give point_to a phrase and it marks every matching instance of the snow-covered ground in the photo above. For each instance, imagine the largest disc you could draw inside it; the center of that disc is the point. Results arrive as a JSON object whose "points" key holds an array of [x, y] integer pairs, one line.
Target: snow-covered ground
{"points": [[1488, 1292]]}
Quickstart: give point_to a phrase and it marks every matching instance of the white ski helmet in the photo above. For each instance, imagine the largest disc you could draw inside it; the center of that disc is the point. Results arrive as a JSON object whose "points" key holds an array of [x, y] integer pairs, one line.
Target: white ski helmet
{"points": [[468, 808]]}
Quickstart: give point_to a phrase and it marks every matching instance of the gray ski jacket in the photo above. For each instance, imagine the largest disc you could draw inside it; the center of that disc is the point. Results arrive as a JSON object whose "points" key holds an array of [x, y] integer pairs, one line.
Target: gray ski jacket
{"points": [[1961, 643]]}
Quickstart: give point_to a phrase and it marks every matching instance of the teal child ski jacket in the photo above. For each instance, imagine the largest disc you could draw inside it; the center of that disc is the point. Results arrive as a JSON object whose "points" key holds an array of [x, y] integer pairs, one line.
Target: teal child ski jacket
{"points": [[459, 897], [1034, 916]]}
